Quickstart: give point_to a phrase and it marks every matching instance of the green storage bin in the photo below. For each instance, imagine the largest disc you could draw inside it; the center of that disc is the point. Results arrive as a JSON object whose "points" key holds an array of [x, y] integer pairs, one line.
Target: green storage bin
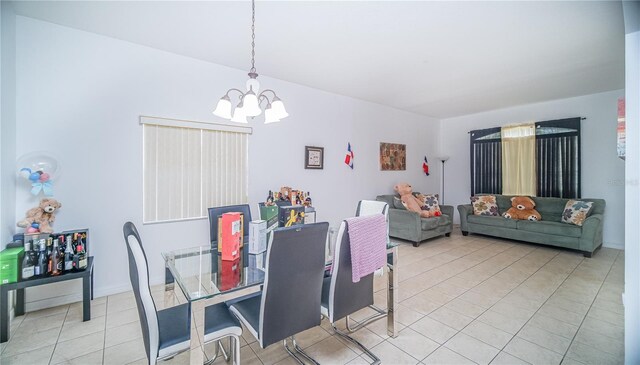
{"points": [[10, 261]]}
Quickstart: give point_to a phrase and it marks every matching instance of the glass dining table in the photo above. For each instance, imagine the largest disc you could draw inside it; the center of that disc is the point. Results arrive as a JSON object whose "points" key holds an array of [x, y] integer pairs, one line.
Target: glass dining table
{"points": [[205, 279]]}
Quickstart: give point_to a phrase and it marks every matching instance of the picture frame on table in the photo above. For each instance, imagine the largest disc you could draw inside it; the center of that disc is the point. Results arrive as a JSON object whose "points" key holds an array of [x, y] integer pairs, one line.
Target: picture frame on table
{"points": [[313, 158]]}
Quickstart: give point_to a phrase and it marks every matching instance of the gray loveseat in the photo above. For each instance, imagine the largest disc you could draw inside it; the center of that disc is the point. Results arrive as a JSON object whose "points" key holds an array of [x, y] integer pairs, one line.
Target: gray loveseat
{"points": [[410, 226], [549, 231]]}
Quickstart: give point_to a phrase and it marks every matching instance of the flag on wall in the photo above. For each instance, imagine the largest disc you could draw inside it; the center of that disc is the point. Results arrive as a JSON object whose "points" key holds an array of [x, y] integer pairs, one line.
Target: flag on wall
{"points": [[349, 157], [425, 166]]}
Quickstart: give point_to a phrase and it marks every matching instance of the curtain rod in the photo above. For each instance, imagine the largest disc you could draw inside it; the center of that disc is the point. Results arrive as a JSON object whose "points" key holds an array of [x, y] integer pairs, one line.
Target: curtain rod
{"points": [[581, 118]]}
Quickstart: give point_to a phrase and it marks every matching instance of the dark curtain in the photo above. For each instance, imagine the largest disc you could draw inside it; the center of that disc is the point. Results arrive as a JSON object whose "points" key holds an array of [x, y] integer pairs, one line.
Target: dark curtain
{"points": [[486, 162], [557, 154], [558, 158]]}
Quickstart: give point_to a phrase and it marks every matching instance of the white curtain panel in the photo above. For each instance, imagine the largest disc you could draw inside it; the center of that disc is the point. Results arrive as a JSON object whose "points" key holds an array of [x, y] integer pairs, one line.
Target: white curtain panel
{"points": [[519, 159]]}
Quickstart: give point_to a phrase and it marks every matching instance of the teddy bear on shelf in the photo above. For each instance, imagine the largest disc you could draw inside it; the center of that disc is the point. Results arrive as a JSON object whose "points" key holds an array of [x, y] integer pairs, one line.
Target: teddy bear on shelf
{"points": [[410, 202], [523, 208], [39, 219]]}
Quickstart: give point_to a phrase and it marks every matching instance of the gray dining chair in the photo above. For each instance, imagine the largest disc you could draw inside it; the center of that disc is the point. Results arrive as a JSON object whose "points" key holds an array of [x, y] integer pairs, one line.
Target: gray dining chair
{"points": [[167, 333], [215, 212], [341, 297], [290, 300]]}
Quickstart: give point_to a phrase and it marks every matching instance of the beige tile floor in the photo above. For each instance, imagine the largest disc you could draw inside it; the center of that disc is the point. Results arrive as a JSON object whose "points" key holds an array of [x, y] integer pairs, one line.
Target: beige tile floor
{"points": [[463, 300]]}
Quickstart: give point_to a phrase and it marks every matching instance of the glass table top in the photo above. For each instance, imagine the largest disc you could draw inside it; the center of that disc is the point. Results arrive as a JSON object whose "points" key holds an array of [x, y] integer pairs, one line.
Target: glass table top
{"points": [[201, 273]]}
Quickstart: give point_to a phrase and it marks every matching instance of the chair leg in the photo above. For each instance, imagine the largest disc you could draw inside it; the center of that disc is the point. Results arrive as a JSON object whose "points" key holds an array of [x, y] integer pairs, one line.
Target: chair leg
{"points": [[296, 350], [345, 336], [381, 313], [234, 349]]}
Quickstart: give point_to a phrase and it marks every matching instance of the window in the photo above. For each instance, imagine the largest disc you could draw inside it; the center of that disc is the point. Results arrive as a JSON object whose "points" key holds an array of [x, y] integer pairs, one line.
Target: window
{"points": [[191, 166], [557, 159]]}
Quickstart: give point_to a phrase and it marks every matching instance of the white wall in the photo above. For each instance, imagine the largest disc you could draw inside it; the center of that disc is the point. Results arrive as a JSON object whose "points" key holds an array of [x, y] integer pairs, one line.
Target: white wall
{"points": [[8, 124], [80, 96], [632, 231], [602, 171]]}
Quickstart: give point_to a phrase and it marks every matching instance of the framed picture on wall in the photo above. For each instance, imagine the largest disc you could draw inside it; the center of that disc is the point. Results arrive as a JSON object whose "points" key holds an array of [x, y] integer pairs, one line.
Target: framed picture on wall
{"points": [[313, 158], [393, 156]]}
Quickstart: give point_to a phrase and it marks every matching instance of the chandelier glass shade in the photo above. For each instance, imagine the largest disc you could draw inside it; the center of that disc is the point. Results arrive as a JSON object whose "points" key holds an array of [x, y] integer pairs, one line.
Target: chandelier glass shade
{"points": [[251, 101]]}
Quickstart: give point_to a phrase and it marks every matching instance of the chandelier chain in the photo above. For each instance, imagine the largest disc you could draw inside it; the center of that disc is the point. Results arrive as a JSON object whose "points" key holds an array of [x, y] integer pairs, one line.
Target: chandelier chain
{"points": [[253, 36]]}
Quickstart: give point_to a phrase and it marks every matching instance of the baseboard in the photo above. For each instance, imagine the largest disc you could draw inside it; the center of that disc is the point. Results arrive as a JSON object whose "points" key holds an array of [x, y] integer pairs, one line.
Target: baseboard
{"points": [[52, 302], [71, 298], [618, 246], [111, 290]]}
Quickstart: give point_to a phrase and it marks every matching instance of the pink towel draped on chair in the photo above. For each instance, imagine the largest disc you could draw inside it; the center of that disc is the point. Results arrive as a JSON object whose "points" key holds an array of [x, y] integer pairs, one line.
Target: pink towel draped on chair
{"points": [[368, 237]]}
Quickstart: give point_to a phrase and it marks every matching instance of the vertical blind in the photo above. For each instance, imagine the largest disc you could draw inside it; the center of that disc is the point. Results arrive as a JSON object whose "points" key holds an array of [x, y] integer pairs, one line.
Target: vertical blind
{"points": [[188, 169], [486, 161]]}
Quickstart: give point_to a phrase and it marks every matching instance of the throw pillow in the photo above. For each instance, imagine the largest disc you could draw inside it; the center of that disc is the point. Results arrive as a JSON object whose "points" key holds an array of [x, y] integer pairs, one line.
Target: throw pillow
{"points": [[576, 211], [485, 205], [430, 203]]}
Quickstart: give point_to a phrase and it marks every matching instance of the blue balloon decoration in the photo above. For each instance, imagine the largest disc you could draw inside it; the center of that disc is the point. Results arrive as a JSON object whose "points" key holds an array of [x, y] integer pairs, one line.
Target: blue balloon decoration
{"points": [[34, 177], [35, 225]]}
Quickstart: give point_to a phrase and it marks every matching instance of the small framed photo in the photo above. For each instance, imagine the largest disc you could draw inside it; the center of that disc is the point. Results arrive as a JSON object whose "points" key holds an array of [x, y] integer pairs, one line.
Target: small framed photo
{"points": [[313, 157]]}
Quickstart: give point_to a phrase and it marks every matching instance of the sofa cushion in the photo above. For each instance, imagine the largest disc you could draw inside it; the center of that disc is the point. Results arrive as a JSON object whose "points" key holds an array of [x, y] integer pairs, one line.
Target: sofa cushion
{"points": [[550, 208], [434, 222], [492, 221], [552, 228]]}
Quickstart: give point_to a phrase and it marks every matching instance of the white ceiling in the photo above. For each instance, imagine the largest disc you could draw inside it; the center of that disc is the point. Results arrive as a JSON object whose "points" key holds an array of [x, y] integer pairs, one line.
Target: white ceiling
{"points": [[440, 59]]}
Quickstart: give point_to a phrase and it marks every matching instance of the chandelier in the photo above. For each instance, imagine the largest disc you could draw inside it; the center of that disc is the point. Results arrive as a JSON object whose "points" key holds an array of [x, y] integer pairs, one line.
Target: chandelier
{"points": [[251, 101]]}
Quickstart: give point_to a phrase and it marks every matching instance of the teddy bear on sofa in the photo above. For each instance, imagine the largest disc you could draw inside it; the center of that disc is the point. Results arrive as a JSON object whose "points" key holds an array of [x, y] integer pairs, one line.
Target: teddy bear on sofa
{"points": [[410, 201], [523, 208], [39, 219]]}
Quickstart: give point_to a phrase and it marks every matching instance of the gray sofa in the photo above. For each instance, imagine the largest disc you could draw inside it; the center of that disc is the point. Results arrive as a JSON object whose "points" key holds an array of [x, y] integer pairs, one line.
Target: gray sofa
{"points": [[410, 226], [549, 231]]}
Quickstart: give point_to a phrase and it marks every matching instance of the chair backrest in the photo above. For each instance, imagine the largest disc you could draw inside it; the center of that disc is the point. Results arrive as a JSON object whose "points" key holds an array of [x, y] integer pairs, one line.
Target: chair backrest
{"points": [[345, 296], [293, 282], [215, 212], [369, 207], [139, 275]]}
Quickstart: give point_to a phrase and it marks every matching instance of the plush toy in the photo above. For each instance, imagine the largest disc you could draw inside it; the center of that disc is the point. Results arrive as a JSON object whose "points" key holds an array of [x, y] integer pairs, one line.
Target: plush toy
{"points": [[39, 219], [522, 207], [410, 201]]}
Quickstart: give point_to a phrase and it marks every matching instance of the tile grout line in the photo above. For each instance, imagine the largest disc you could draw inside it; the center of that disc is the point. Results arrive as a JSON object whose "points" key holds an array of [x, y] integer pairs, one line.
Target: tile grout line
{"points": [[104, 340], [437, 267], [466, 290], [59, 333], [536, 312], [486, 310], [590, 306], [455, 297], [448, 262]]}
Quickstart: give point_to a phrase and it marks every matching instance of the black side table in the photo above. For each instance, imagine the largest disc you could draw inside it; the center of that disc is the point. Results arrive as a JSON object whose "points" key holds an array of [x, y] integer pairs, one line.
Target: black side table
{"points": [[87, 295]]}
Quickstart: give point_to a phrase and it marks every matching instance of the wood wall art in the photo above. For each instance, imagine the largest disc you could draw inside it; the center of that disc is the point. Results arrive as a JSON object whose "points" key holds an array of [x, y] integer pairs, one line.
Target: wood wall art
{"points": [[393, 156]]}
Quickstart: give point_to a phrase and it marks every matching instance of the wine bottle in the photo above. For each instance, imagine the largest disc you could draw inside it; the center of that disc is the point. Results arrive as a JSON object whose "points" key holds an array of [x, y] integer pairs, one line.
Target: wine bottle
{"points": [[57, 259], [307, 201], [43, 262], [28, 262], [49, 250], [80, 259], [68, 257]]}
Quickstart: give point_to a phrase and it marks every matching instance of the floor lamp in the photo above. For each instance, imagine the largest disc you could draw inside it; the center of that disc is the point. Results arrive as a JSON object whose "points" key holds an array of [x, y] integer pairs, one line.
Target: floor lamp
{"points": [[443, 159]]}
